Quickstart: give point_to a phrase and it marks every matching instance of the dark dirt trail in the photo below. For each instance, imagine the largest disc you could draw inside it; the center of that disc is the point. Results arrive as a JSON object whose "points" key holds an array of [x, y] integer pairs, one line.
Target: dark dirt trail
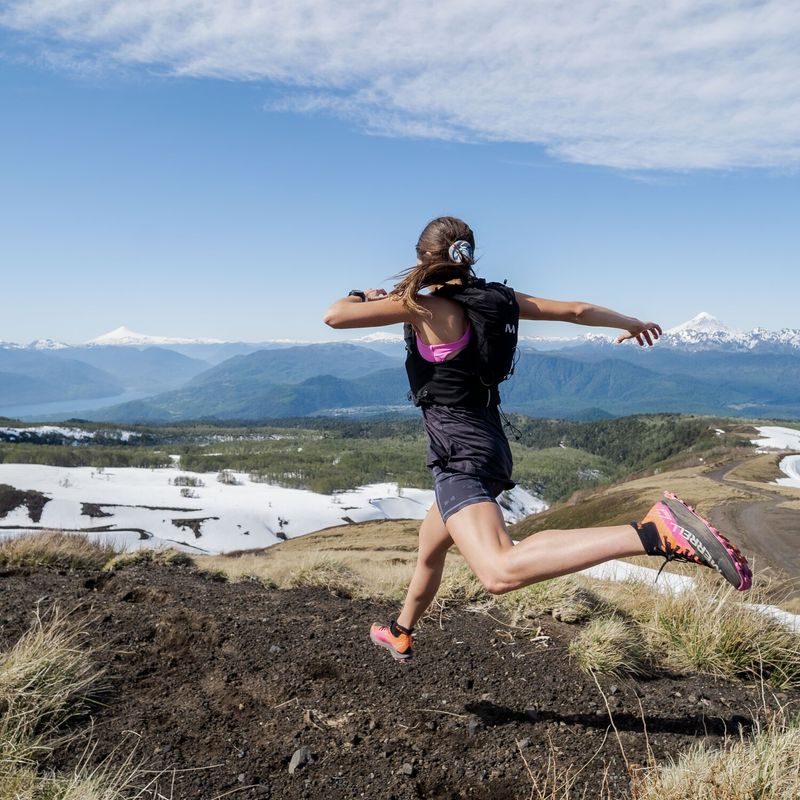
{"points": [[234, 678]]}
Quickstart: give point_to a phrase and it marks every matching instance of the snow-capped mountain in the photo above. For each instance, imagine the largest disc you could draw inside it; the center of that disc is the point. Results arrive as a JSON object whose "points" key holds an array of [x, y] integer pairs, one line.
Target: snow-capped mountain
{"points": [[47, 344], [39, 344], [563, 342], [703, 323], [702, 332], [705, 332], [380, 336], [125, 337]]}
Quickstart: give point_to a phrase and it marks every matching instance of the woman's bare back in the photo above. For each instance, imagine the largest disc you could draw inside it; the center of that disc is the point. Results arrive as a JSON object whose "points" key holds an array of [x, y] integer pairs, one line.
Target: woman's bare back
{"points": [[447, 321]]}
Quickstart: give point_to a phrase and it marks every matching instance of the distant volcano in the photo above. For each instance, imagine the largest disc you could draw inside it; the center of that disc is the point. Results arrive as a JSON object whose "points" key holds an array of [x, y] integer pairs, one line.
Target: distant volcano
{"points": [[123, 336], [702, 323]]}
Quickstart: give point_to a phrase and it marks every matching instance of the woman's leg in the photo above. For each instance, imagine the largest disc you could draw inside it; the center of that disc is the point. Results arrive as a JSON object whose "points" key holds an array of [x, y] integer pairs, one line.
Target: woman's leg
{"points": [[434, 542], [480, 534]]}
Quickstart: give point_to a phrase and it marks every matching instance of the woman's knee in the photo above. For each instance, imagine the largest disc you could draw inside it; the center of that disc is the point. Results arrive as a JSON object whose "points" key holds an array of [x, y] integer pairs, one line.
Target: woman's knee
{"points": [[498, 586], [497, 577]]}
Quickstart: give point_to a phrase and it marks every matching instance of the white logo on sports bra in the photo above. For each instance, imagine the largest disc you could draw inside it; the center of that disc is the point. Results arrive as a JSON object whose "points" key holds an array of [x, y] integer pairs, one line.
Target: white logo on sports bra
{"points": [[510, 328]]}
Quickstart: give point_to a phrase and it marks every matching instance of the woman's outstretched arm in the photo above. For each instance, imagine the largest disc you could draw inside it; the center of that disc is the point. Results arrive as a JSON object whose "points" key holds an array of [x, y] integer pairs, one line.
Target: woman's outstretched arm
{"points": [[379, 309], [582, 313]]}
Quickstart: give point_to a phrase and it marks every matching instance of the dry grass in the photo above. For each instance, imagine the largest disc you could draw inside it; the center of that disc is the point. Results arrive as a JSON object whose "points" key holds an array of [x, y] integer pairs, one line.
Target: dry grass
{"points": [[760, 469], [709, 629], [716, 633], [379, 555], [167, 556], [765, 766], [567, 599], [791, 605], [333, 576], [633, 599], [551, 781], [54, 549], [44, 680], [115, 778], [611, 646], [459, 585], [18, 783]]}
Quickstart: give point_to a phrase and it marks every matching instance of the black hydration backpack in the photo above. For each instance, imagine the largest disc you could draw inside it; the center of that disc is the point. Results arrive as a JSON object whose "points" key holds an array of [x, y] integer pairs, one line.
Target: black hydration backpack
{"points": [[472, 376]]}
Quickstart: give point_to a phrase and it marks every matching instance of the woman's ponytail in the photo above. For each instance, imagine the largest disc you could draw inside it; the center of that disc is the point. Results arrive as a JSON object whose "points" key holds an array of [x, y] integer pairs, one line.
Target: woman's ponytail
{"points": [[445, 251]]}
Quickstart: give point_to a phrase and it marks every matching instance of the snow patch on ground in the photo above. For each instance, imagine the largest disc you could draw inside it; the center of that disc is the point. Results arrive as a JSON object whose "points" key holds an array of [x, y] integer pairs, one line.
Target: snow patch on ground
{"points": [[143, 507], [790, 466], [518, 504], [777, 438], [623, 571]]}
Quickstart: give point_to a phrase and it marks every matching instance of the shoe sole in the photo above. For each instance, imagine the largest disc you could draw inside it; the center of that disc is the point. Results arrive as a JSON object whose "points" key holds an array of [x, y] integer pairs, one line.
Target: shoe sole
{"points": [[401, 658], [711, 544]]}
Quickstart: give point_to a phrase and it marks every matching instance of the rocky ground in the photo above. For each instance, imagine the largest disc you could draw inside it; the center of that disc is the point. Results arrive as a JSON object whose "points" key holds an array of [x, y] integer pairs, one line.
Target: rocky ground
{"points": [[235, 688]]}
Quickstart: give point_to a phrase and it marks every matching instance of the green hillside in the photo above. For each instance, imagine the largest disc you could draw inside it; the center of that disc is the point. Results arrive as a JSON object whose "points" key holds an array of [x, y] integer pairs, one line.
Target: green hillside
{"points": [[317, 379]]}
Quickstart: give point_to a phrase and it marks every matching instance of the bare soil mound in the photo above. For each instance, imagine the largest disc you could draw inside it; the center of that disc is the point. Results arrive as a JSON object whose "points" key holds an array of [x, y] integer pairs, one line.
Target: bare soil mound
{"points": [[11, 499], [225, 683]]}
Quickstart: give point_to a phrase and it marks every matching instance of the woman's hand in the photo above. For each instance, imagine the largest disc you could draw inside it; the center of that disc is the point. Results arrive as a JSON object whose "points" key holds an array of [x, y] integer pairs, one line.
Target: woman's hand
{"points": [[375, 294], [644, 332]]}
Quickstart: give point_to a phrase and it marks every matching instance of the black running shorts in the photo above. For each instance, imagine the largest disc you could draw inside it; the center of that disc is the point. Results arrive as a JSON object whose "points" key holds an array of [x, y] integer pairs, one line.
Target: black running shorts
{"points": [[456, 490]]}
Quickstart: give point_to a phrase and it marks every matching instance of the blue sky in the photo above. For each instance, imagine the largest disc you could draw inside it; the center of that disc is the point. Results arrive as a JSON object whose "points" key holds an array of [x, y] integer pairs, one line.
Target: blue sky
{"points": [[186, 186]]}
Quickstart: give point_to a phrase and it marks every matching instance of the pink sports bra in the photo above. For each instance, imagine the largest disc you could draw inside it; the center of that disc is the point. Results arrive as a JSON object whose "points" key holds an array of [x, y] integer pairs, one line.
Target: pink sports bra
{"points": [[437, 353]]}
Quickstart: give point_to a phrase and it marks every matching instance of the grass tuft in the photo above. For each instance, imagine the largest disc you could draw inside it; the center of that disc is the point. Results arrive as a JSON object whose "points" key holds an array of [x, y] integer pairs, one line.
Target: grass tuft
{"points": [[333, 576], [765, 765], [611, 646], [44, 681], [113, 779], [16, 782], [709, 628], [214, 575], [564, 598], [716, 633], [166, 556], [54, 549], [460, 585]]}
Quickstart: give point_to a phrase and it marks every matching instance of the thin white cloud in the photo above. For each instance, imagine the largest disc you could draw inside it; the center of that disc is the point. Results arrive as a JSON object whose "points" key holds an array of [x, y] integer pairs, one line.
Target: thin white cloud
{"points": [[677, 85]]}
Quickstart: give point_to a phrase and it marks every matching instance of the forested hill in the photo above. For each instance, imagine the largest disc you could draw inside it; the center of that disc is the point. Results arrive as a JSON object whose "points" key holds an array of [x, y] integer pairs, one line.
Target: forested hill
{"points": [[552, 458], [344, 378]]}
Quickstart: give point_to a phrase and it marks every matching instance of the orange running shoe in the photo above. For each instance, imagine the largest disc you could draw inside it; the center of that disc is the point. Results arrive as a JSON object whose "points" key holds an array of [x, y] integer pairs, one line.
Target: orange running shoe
{"points": [[396, 639], [674, 530]]}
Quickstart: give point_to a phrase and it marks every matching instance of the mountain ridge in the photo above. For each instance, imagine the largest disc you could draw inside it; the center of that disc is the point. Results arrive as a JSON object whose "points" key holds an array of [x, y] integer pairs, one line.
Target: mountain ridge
{"points": [[699, 367], [703, 332]]}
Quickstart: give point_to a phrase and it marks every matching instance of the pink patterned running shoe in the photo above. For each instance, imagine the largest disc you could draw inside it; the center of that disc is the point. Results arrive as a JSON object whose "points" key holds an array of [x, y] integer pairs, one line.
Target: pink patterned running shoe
{"points": [[674, 530], [395, 639]]}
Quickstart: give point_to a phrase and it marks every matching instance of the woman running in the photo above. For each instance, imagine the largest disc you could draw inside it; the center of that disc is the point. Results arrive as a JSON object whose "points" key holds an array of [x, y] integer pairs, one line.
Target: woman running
{"points": [[468, 452]]}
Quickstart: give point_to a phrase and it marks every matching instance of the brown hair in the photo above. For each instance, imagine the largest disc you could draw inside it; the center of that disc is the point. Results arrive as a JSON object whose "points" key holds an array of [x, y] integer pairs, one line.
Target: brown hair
{"points": [[435, 265]]}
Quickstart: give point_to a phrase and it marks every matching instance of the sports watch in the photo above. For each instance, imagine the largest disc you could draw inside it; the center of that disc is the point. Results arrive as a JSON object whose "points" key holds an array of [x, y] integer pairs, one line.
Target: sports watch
{"points": [[358, 293]]}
